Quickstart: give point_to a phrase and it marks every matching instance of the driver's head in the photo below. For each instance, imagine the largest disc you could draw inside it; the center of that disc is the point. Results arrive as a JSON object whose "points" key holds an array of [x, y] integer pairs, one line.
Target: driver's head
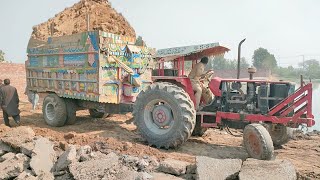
{"points": [[204, 60]]}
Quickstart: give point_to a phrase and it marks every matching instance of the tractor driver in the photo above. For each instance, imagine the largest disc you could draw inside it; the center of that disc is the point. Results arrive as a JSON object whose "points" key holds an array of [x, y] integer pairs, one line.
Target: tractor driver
{"points": [[196, 73]]}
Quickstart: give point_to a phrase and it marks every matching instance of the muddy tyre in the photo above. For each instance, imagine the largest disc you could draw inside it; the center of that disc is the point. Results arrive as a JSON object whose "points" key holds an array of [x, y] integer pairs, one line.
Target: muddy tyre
{"points": [[198, 130], [164, 115], [258, 142], [280, 134], [71, 112], [94, 113], [54, 110]]}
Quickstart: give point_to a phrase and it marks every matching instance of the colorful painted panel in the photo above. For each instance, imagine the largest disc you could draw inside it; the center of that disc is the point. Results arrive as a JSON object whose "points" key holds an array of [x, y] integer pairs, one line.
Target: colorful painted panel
{"points": [[75, 59], [109, 74]]}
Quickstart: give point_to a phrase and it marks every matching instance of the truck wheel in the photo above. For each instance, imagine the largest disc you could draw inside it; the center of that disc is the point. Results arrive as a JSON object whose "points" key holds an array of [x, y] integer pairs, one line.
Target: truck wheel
{"points": [[198, 130], [54, 110], [97, 114], [258, 142], [280, 134], [164, 115], [71, 111]]}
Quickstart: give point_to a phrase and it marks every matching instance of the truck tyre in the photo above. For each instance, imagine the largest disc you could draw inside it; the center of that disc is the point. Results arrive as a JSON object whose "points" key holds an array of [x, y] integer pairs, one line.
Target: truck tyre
{"points": [[198, 130], [280, 134], [71, 111], [164, 115], [258, 142], [97, 114], [54, 110]]}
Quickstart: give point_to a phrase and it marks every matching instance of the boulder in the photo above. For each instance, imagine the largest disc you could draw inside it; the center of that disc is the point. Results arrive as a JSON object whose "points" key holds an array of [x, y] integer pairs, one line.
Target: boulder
{"points": [[95, 168], [18, 136], [66, 158], [2, 152], [173, 166], [13, 166], [6, 156], [277, 169], [5, 147], [27, 148], [44, 175], [83, 153], [43, 156], [26, 176], [210, 168]]}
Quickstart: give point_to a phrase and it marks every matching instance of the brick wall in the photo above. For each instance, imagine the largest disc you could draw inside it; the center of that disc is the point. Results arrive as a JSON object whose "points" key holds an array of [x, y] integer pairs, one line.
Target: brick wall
{"points": [[17, 75]]}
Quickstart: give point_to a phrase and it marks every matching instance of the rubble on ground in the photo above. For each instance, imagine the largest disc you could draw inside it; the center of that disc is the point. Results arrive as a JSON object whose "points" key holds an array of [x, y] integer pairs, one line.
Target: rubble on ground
{"points": [[36, 158], [73, 20]]}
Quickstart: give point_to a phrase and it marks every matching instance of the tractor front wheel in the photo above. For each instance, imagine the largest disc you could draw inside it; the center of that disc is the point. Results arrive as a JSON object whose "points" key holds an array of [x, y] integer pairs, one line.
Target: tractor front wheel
{"points": [[258, 142], [164, 115]]}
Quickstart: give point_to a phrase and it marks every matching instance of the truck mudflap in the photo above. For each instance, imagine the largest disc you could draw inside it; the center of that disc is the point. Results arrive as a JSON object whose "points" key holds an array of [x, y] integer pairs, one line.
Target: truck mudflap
{"points": [[300, 103]]}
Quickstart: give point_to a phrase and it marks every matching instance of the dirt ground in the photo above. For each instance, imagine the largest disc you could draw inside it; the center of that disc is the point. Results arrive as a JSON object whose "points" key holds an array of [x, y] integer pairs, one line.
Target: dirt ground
{"points": [[118, 133]]}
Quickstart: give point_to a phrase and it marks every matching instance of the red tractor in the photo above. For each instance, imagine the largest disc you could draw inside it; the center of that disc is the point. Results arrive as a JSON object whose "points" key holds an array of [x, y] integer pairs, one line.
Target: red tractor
{"points": [[166, 117]]}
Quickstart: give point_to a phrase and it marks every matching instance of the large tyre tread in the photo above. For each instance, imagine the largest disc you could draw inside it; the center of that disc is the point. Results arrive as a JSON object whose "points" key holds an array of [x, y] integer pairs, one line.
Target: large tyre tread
{"points": [[60, 110], [188, 114], [71, 112]]}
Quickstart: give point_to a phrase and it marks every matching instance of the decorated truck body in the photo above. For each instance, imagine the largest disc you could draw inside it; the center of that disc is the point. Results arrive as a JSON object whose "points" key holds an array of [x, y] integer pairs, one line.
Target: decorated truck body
{"points": [[94, 70]]}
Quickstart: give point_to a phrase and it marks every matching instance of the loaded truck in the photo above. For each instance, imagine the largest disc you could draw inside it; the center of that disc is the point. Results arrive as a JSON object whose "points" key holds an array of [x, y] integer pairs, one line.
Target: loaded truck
{"points": [[266, 111], [94, 70]]}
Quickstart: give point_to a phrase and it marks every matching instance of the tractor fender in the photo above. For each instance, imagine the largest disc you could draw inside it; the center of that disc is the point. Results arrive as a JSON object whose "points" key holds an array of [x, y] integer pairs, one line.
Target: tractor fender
{"points": [[183, 82]]}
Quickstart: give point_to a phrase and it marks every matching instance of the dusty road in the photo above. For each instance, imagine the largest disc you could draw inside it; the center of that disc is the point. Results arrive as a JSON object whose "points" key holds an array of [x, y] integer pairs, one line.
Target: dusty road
{"points": [[118, 133]]}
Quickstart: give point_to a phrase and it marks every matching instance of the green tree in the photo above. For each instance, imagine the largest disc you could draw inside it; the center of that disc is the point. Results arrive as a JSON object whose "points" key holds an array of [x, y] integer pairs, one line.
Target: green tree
{"points": [[311, 68], [263, 59], [2, 56], [218, 63]]}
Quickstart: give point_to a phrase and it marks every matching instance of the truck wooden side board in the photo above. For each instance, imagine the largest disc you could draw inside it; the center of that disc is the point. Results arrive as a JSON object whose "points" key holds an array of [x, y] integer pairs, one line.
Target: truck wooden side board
{"points": [[93, 70]]}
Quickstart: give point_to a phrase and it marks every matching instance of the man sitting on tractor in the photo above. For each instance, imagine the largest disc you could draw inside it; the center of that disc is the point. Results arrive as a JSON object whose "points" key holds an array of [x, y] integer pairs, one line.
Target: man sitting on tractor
{"points": [[195, 75]]}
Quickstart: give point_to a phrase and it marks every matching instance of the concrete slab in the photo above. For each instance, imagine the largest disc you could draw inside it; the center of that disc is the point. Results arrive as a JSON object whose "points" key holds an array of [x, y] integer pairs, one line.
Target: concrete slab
{"points": [[264, 170], [210, 168]]}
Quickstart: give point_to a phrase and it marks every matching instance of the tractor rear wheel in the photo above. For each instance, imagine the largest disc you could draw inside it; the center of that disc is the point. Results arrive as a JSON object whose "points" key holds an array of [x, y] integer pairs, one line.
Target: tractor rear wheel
{"points": [[54, 110], [97, 114], [258, 142], [280, 134], [164, 115]]}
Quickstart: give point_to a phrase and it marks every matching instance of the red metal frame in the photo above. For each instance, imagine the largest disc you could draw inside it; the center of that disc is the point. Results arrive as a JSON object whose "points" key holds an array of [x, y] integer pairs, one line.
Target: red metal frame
{"points": [[300, 102]]}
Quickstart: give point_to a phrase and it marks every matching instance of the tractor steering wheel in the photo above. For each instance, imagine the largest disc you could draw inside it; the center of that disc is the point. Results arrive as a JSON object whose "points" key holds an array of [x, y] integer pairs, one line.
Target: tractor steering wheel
{"points": [[207, 76]]}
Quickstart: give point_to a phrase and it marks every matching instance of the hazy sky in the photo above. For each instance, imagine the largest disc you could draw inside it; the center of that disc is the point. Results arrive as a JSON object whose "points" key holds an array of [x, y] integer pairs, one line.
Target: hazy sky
{"points": [[287, 28]]}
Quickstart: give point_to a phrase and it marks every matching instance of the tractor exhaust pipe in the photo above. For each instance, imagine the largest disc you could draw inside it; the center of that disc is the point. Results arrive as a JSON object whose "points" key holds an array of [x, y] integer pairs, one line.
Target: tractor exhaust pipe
{"points": [[239, 56]]}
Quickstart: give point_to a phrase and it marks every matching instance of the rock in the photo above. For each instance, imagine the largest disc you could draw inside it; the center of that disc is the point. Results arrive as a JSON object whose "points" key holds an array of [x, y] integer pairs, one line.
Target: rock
{"points": [[45, 176], [66, 158], [18, 136], [173, 166], [127, 146], [7, 156], [70, 135], [208, 168], [13, 166], [63, 145], [95, 168], [5, 147], [142, 164], [26, 176], [43, 156], [27, 148], [83, 153], [277, 169], [2, 152], [65, 176], [191, 169], [162, 176]]}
